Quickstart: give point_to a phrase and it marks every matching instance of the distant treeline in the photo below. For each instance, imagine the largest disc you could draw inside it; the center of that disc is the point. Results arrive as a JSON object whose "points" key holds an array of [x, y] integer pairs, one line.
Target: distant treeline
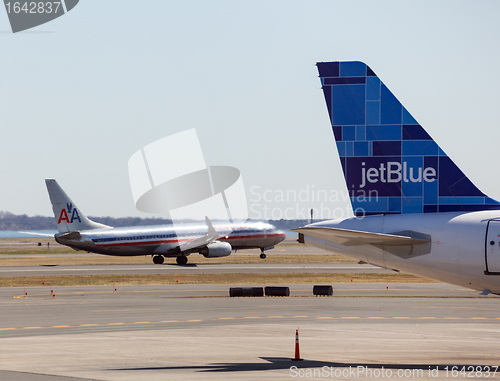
{"points": [[10, 221]]}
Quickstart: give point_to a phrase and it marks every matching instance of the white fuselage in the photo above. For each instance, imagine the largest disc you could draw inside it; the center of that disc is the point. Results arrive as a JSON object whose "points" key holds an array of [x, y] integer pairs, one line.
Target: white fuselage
{"points": [[464, 248]]}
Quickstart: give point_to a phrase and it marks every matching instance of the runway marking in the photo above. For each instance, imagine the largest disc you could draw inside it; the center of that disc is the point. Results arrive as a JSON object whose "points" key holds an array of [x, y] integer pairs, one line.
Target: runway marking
{"points": [[439, 307], [288, 305], [251, 317], [132, 309]]}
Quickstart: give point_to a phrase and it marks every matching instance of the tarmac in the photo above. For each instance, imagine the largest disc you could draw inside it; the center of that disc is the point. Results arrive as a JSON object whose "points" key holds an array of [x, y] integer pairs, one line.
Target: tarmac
{"points": [[197, 332], [212, 268]]}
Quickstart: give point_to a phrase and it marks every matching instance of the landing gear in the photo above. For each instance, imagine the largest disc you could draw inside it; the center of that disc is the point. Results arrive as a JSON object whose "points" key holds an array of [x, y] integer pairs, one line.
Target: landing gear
{"points": [[158, 259], [181, 260], [262, 255]]}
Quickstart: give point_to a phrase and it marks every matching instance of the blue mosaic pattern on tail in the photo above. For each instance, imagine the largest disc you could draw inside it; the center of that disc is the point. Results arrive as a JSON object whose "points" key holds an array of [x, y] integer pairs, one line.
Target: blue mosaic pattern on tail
{"points": [[390, 163]]}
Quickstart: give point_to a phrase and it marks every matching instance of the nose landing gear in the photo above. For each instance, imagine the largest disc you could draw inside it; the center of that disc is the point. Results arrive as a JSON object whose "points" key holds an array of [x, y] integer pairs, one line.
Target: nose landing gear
{"points": [[262, 254]]}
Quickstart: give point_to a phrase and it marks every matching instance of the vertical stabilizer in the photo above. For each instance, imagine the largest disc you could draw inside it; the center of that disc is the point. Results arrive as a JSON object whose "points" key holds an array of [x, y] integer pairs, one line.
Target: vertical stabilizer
{"points": [[68, 216], [390, 163]]}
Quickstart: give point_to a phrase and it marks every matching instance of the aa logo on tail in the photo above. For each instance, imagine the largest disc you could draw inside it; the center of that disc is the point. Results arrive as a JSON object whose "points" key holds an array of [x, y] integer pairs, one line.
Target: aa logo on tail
{"points": [[26, 14], [64, 215]]}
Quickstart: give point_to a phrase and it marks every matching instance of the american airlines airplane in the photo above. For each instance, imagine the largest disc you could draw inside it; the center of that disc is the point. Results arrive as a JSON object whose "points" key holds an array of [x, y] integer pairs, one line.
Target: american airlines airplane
{"points": [[415, 211], [80, 233]]}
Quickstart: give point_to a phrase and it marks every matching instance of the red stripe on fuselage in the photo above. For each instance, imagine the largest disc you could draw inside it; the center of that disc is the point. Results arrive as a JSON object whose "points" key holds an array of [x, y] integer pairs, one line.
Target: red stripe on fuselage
{"points": [[117, 244]]}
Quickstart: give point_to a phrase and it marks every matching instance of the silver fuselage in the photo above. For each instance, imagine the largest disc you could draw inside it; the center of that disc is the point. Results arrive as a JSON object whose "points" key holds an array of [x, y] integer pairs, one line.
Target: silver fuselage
{"points": [[147, 240]]}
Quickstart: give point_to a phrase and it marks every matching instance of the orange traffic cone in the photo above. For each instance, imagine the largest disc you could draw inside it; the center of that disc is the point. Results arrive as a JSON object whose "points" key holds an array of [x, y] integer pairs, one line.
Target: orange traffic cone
{"points": [[297, 351]]}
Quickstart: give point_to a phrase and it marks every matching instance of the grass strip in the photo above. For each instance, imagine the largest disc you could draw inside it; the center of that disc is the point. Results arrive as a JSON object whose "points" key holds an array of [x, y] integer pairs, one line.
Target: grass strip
{"points": [[233, 279], [95, 259]]}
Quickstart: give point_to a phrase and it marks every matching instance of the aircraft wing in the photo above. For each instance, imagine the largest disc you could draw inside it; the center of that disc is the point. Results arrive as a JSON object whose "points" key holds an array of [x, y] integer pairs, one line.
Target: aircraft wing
{"points": [[354, 237], [201, 242], [198, 243]]}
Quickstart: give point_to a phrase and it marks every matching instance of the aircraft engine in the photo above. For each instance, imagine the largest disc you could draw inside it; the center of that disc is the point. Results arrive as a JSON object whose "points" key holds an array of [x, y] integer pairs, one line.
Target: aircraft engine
{"points": [[216, 249]]}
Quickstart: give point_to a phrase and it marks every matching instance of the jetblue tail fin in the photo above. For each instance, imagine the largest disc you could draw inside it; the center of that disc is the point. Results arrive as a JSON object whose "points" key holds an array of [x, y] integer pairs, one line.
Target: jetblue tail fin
{"points": [[68, 217], [390, 163]]}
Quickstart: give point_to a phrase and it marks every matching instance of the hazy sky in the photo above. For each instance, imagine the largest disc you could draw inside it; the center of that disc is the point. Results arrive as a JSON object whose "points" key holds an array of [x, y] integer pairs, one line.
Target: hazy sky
{"points": [[81, 94]]}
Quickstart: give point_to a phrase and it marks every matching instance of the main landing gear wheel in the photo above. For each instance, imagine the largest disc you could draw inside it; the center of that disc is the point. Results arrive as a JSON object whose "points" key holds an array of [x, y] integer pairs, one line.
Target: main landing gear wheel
{"points": [[181, 260], [158, 259], [262, 255]]}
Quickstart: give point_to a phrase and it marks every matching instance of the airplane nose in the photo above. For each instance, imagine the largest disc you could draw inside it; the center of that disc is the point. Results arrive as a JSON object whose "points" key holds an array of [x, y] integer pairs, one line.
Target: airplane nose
{"points": [[280, 236]]}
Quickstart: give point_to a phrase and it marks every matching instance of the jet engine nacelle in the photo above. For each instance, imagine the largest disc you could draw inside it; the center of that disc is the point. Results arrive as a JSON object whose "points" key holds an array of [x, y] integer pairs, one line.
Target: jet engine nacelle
{"points": [[216, 249]]}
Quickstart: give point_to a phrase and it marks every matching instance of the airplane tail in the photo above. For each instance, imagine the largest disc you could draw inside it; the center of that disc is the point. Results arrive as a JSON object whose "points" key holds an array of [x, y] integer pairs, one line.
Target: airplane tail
{"points": [[68, 217], [391, 164]]}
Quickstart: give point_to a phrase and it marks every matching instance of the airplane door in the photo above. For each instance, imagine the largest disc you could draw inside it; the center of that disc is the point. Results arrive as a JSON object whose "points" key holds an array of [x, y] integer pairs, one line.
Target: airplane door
{"points": [[493, 248]]}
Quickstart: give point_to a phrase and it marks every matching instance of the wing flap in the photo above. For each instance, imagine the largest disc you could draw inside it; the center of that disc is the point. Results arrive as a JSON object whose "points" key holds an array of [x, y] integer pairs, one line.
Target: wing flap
{"points": [[355, 237]]}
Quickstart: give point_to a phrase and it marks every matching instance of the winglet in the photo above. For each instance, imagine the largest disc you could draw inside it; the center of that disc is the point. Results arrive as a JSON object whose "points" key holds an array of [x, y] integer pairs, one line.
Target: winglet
{"points": [[211, 229]]}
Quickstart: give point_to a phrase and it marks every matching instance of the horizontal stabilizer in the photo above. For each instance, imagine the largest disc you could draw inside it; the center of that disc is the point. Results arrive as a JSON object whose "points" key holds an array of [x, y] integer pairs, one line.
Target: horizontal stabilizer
{"points": [[37, 234], [354, 237]]}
